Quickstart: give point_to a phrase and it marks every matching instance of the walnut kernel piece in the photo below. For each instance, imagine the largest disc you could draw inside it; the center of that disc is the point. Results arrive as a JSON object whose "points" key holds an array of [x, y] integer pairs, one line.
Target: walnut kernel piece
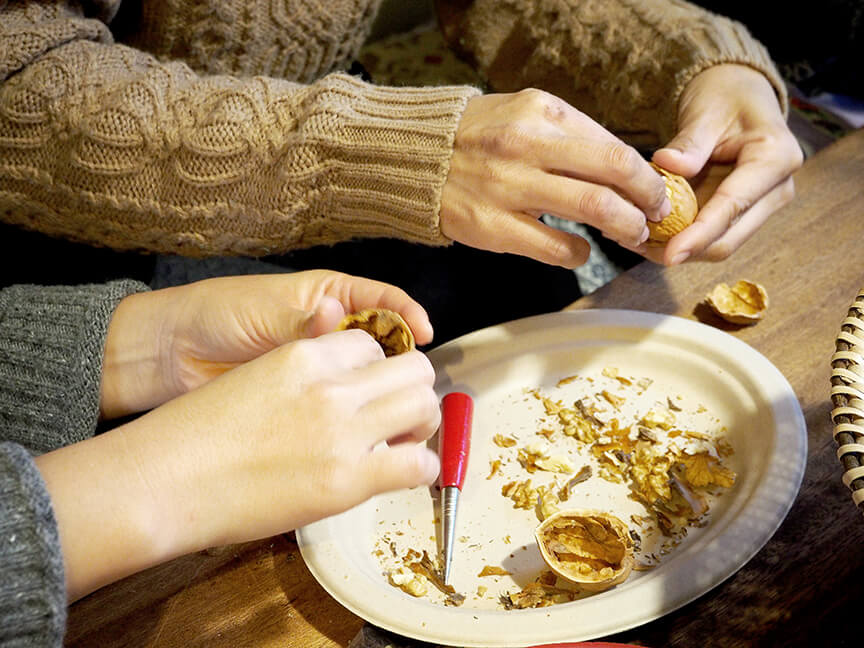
{"points": [[684, 208], [386, 326], [590, 548], [743, 303], [408, 581]]}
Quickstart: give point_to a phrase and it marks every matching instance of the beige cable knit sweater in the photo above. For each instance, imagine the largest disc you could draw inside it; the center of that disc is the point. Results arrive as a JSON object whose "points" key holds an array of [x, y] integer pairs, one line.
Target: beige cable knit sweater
{"points": [[224, 127]]}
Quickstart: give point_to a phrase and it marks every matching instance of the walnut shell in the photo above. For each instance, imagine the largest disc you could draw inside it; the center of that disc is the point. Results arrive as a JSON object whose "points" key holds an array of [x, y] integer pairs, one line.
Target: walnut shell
{"points": [[589, 548], [386, 326], [743, 303], [684, 208]]}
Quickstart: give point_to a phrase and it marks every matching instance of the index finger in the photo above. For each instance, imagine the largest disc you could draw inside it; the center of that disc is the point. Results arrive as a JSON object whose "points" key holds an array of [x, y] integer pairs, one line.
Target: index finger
{"points": [[357, 293], [611, 163], [736, 194], [588, 151]]}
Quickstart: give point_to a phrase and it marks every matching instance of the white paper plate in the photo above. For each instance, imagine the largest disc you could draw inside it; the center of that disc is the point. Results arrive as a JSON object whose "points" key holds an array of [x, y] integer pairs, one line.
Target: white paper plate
{"points": [[698, 364]]}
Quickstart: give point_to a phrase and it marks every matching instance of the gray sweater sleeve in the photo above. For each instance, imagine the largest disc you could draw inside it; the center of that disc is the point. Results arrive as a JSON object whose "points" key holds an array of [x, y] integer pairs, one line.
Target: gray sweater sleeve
{"points": [[51, 344], [32, 587]]}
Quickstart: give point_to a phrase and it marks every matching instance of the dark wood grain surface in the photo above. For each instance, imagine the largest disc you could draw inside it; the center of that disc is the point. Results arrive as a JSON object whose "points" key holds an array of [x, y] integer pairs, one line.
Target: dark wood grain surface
{"points": [[802, 589]]}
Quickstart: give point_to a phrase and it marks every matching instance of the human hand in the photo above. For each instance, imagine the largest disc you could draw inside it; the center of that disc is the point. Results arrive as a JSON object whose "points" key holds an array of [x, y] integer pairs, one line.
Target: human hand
{"points": [[167, 342], [279, 442], [734, 143], [518, 156]]}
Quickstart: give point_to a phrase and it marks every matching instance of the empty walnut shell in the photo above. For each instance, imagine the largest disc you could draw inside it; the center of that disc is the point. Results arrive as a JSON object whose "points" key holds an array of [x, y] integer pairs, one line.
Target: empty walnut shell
{"points": [[684, 208], [386, 326], [743, 303], [589, 548]]}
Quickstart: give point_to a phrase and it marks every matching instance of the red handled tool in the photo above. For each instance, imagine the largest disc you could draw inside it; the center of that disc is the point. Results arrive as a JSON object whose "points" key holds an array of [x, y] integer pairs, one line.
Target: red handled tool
{"points": [[454, 444]]}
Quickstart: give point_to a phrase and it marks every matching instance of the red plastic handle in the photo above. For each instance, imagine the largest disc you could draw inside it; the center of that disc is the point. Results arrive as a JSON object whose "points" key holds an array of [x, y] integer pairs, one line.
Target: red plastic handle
{"points": [[455, 438]]}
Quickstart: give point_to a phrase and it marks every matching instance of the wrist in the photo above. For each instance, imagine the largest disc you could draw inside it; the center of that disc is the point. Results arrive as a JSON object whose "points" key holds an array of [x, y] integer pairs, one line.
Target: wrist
{"points": [[733, 80], [133, 367]]}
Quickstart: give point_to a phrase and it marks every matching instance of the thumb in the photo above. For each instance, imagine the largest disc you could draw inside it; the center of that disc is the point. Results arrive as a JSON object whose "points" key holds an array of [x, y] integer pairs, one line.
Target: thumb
{"points": [[689, 150]]}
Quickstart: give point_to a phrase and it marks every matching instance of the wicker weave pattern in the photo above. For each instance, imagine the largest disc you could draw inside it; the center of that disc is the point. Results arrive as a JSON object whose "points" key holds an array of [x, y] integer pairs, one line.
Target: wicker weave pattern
{"points": [[847, 395]]}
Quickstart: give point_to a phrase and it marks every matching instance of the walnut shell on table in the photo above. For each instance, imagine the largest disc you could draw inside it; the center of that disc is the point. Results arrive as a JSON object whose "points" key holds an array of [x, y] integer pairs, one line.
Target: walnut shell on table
{"points": [[589, 548], [386, 326], [684, 208], [743, 303]]}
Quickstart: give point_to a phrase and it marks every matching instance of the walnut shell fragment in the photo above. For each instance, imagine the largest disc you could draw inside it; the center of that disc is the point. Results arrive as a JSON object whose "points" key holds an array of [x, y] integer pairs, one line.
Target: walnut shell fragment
{"points": [[589, 548], [743, 303], [684, 208], [386, 326]]}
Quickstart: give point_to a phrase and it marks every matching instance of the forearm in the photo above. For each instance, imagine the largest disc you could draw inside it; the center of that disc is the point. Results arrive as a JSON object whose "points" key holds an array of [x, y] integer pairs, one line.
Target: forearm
{"points": [[624, 62], [110, 522], [136, 153]]}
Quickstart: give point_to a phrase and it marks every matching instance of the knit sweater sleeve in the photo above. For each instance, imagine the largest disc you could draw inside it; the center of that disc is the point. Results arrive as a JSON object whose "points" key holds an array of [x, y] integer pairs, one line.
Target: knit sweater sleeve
{"points": [[108, 144], [622, 62], [32, 587], [51, 346]]}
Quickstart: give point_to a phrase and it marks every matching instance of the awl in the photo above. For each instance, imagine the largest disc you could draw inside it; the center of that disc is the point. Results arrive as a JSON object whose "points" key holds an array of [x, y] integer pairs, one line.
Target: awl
{"points": [[454, 445]]}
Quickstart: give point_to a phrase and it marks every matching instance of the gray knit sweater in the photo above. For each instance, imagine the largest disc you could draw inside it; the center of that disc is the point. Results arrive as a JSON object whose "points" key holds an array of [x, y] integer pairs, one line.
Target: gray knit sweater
{"points": [[51, 343]]}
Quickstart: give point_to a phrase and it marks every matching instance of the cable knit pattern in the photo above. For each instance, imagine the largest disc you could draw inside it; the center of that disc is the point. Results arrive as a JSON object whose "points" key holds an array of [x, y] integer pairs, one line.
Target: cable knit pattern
{"points": [[32, 587], [51, 345], [623, 62], [298, 40], [105, 144], [215, 134]]}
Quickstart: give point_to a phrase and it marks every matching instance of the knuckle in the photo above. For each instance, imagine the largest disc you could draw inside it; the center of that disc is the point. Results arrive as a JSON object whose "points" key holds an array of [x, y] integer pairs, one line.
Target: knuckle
{"points": [[362, 342], [534, 98], [659, 192], [686, 142], [736, 207], [787, 192], [303, 352], [796, 159], [557, 249], [596, 202], [336, 478], [330, 397], [412, 467], [785, 148], [719, 251], [624, 160], [424, 367], [555, 112], [430, 408]]}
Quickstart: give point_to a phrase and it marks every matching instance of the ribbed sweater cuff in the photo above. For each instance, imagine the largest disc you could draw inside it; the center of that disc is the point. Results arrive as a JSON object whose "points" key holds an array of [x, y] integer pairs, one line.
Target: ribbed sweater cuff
{"points": [[391, 152], [52, 340], [32, 581]]}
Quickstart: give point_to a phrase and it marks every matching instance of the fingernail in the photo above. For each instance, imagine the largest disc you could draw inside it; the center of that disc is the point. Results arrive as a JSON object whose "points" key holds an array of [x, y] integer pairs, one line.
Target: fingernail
{"points": [[644, 236], [660, 214], [681, 257], [666, 207]]}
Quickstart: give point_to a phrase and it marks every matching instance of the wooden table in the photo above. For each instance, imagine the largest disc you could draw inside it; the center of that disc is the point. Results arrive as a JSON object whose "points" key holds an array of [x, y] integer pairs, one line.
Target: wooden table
{"points": [[801, 585]]}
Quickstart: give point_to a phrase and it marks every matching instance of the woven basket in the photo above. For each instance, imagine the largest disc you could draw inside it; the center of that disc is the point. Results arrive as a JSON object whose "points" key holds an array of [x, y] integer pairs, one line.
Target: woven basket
{"points": [[847, 396]]}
